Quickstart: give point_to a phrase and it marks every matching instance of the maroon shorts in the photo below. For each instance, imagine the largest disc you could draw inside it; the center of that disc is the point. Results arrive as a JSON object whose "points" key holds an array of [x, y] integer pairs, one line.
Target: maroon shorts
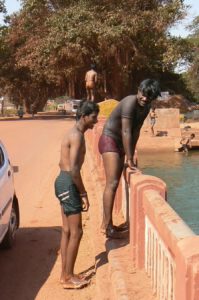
{"points": [[108, 144]]}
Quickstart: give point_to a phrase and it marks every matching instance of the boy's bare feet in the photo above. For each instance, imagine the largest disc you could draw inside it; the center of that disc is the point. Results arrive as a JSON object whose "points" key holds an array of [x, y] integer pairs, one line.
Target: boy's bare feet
{"points": [[75, 283], [82, 277]]}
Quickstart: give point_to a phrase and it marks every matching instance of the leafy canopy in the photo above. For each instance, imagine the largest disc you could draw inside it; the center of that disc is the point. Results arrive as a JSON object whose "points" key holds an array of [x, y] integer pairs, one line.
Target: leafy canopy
{"points": [[50, 44]]}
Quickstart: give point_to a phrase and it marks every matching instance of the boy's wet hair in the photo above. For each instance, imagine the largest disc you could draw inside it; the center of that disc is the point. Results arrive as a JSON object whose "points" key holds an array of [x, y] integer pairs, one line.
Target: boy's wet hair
{"points": [[86, 108], [150, 88]]}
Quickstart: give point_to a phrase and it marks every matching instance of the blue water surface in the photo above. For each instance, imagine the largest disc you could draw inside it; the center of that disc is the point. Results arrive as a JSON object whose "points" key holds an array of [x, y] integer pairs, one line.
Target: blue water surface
{"points": [[181, 173]]}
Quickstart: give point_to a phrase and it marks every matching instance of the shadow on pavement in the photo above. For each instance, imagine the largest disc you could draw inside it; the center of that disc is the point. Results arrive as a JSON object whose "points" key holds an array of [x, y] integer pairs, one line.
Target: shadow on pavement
{"points": [[101, 259], [112, 244], [89, 273], [26, 267]]}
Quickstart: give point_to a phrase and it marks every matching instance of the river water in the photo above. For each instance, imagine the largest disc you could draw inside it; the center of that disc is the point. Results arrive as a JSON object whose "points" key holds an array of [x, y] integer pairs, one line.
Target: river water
{"points": [[181, 174]]}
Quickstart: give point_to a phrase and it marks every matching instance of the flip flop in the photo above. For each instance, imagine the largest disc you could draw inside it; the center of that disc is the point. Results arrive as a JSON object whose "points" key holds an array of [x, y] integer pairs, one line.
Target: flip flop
{"points": [[81, 276], [73, 283], [121, 228]]}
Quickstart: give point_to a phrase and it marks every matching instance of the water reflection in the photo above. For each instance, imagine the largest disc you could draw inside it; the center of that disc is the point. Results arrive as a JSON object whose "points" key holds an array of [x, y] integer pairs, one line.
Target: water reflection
{"points": [[181, 173]]}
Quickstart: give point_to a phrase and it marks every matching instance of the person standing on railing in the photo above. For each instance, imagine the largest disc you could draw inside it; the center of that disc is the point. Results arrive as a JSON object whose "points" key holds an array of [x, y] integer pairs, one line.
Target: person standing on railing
{"points": [[119, 138], [91, 81]]}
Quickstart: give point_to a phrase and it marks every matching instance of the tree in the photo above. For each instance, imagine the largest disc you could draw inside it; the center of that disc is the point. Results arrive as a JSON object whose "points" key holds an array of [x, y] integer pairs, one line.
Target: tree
{"points": [[51, 44], [192, 75], [2, 6]]}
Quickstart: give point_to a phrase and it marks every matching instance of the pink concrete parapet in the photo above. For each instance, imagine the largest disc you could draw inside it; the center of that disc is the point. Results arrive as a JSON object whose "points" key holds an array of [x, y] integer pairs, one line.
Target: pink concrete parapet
{"points": [[138, 183], [161, 242], [159, 239]]}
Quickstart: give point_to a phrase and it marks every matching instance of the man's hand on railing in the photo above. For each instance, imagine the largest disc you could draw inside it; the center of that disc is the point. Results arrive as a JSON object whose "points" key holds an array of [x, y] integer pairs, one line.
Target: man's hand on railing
{"points": [[130, 164]]}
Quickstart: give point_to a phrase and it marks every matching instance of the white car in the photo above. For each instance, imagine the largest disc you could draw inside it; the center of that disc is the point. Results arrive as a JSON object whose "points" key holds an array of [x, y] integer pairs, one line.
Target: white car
{"points": [[61, 107], [75, 103], [69, 107], [9, 206]]}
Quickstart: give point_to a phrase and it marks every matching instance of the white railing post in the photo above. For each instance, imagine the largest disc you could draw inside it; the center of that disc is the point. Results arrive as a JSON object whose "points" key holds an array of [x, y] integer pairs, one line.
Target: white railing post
{"points": [[159, 263]]}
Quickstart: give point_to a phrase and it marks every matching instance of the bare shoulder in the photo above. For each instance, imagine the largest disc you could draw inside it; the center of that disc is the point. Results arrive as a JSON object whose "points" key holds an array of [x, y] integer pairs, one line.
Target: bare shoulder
{"points": [[75, 136], [72, 136]]}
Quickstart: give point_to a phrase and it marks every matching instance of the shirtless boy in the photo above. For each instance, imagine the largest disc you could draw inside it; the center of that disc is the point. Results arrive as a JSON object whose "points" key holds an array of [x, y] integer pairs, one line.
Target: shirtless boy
{"points": [[119, 138], [91, 80], [70, 190], [153, 117]]}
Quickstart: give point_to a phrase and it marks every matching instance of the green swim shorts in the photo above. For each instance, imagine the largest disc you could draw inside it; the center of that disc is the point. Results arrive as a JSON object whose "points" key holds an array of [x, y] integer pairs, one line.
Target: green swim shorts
{"points": [[67, 193]]}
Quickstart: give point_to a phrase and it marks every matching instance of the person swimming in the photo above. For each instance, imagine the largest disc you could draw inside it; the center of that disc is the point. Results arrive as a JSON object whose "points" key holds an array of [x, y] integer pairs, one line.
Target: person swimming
{"points": [[186, 143]]}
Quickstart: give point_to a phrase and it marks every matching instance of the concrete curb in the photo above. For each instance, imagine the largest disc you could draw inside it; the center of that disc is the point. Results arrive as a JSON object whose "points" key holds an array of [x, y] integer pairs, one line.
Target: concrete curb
{"points": [[36, 117], [101, 266], [119, 288]]}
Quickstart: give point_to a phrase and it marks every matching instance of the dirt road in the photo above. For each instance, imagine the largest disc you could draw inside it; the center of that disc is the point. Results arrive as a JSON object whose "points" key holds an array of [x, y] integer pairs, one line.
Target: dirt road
{"points": [[31, 269]]}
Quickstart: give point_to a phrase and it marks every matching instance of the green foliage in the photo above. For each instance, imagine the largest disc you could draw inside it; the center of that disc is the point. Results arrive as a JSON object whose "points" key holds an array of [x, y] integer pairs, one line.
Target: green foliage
{"points": [[192, 75], [50, 44], [2, 6]]}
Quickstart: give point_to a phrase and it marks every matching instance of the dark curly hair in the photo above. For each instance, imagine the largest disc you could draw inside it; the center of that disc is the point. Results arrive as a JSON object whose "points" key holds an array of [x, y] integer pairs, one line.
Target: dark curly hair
{"points": [[86, 108], [150, 88]]}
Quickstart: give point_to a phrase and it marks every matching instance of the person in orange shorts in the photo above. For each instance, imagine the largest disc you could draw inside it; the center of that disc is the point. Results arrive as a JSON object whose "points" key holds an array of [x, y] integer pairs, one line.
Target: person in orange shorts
{"points": [[91, 80]]}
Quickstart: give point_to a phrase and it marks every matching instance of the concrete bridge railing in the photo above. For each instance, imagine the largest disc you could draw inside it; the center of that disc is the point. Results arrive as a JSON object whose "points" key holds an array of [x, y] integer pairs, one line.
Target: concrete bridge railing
{"points": [[160, 241]]}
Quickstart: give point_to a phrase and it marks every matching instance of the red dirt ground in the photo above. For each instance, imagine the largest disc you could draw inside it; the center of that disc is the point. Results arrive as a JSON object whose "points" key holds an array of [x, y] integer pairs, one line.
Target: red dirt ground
{"points": [[31, 269]]}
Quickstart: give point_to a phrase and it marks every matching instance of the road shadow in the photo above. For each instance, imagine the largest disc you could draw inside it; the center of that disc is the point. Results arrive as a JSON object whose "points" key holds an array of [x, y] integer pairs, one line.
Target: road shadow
{"points": [[101, 259], [89, 273], [112, 244], [26, 267]]}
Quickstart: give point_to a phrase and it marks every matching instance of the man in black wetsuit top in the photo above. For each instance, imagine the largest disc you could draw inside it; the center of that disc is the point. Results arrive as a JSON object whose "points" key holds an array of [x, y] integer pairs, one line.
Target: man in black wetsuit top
{"points": [[119, 138]]}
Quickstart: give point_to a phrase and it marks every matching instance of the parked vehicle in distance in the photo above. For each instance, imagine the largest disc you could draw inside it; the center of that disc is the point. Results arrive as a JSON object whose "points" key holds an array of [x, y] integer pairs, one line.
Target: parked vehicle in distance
{"points": [[69, 107], [61, 107], [75, 104], [9, 206]]}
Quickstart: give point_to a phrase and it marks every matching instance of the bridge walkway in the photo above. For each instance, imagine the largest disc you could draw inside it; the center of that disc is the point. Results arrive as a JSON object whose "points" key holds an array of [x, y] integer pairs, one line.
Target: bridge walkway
{"points": [[121, 282]]}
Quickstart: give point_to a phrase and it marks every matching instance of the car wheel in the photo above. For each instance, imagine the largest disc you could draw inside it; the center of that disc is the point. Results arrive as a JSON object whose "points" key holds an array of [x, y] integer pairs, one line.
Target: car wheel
{"points": [[9, 238]]}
